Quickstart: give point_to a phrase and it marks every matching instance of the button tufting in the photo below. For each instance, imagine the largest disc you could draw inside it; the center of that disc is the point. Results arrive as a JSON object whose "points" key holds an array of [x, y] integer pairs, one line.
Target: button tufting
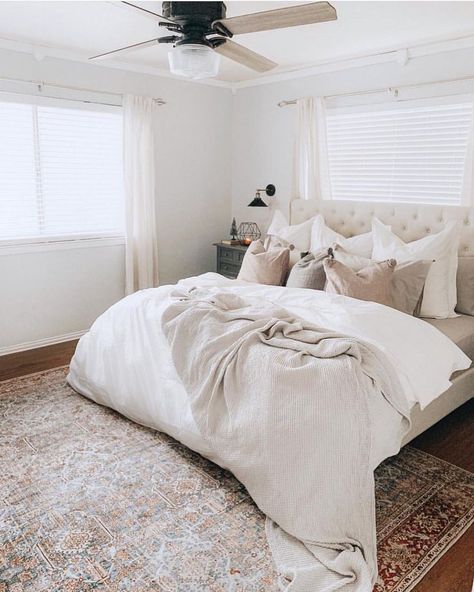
{"points": [[415, 216], [466, 222], [428, 230]]}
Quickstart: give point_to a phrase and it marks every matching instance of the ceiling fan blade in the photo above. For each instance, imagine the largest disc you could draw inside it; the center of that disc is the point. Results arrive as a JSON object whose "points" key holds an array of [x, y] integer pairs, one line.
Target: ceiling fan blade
{"points": [[126, 49], [293, 16], [146, 12], [245, 56]]}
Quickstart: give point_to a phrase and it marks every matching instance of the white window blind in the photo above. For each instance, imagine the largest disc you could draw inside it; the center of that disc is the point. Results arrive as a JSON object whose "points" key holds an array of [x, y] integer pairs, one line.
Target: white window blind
{"points": [[61, 173], [416, 152]]}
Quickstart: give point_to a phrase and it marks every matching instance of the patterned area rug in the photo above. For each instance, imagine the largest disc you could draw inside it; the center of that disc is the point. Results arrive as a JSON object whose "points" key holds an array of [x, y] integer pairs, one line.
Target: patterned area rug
{"points": [[92, 501]]}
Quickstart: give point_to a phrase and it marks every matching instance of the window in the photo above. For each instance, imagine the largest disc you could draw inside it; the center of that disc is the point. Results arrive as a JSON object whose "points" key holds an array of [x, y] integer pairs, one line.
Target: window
{"points": [[61, 174], [413, 151]]}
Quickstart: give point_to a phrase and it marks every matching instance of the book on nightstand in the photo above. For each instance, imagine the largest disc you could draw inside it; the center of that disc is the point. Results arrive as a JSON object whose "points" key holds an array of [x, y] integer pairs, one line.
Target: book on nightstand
{"points": [[230, 242]]}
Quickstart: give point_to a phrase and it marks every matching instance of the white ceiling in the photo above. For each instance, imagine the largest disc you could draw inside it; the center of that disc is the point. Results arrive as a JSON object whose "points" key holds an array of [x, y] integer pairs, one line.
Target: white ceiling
{"points": [[363, 28]]}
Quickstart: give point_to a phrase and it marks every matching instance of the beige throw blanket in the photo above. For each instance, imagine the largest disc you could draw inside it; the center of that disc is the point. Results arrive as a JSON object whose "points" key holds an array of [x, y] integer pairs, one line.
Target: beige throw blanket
{"points": [[286, 407]]}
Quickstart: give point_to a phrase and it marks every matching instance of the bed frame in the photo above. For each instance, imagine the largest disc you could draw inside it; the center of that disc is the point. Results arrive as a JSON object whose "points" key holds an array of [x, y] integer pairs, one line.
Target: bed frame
{"points": [[409, 222]]}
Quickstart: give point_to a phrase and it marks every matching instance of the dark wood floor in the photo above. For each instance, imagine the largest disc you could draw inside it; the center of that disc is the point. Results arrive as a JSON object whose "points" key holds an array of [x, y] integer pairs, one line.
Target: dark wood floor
{"points": [[35, 360], [451, 439]]}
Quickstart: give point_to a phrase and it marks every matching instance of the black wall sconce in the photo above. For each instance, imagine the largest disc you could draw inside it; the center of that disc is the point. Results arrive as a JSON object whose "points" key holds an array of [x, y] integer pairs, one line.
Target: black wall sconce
{"points": [[257, 201]]}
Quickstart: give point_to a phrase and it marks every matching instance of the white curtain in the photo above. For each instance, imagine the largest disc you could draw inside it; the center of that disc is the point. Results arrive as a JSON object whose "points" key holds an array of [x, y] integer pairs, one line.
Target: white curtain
{"points": [[310, 168], [141, 255]]}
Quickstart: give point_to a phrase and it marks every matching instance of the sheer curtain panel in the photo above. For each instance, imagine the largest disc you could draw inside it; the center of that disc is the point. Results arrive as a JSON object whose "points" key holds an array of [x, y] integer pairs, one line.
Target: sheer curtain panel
{"points": [[310, 168], [139, 172]]}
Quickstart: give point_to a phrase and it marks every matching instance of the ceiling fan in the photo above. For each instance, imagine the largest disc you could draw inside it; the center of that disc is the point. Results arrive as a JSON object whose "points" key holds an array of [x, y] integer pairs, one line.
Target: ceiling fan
{"points": [[200, 32]]}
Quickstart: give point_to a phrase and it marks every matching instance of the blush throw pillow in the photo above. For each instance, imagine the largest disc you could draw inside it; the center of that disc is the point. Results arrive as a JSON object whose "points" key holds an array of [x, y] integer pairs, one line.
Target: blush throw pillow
{"points": [[263, 266], [408, 280], [372, 283], [439, 297]]}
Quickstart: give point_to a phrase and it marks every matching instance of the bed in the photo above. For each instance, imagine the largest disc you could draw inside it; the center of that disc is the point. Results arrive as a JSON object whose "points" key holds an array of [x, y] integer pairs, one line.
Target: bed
{"points": [[129, 361]]}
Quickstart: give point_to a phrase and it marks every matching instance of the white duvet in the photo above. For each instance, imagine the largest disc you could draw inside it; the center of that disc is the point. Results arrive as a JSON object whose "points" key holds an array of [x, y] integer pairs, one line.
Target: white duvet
{"points": [[124, 361]]}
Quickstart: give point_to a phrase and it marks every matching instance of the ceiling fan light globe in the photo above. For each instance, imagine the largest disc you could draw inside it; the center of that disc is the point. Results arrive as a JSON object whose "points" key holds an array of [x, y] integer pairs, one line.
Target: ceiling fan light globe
{"points": [[194, 61]]}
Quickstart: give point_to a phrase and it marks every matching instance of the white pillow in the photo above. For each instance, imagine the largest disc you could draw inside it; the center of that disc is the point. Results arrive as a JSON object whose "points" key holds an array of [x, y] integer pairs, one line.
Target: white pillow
{"points": [[322, 237], [298, 235], [439, 297]]}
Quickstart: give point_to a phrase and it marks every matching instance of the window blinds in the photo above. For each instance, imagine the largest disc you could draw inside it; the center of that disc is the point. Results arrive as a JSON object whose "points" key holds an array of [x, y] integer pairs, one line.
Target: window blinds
{"points": [[60, 171], [408, 153]]}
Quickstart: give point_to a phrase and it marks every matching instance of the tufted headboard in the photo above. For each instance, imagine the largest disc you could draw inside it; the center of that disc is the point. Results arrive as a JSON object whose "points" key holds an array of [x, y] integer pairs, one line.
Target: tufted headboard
{"points": [[409, 222]]}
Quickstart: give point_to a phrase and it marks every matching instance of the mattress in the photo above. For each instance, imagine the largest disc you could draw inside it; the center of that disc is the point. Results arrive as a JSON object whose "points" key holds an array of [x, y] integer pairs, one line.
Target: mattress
{"points": [[460, 330]]}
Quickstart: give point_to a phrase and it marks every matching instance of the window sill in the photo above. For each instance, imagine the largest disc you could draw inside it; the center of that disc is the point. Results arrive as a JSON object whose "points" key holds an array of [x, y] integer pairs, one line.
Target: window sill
{"points": [[16, 247]]}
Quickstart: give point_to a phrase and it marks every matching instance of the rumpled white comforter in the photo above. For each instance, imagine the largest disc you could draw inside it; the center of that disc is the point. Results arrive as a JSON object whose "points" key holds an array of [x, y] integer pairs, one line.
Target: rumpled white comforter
{"points": [[124, 361]]}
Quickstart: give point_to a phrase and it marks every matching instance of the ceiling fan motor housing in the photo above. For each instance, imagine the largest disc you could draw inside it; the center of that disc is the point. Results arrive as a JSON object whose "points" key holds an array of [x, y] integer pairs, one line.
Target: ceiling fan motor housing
{"points": [[194, 18]]}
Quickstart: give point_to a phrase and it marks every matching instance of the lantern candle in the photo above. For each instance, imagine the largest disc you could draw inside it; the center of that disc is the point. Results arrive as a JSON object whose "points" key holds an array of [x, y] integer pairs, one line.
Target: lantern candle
{"points": [[248, 232]]}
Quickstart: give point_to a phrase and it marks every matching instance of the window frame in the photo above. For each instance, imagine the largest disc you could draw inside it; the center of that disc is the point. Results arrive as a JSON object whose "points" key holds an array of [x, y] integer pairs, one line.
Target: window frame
{"points": [[398, 104], [31, 244]]}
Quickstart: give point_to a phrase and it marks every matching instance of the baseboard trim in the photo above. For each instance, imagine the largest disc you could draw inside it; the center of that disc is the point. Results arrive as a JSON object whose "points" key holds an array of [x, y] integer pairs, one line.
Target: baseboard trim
{"points": [[27, 345]]}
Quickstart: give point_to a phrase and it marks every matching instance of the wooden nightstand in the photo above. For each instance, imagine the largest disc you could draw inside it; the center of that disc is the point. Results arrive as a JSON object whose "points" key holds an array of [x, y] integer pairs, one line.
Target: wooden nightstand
{"points": [[229, 259]]}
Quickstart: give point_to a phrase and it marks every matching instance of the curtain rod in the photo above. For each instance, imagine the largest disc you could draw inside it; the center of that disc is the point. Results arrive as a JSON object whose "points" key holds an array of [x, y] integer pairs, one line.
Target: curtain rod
{"points": [[40, 85], [393, 89]]}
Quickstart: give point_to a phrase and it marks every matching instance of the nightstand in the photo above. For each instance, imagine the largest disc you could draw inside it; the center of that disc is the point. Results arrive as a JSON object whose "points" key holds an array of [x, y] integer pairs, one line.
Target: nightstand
{"points": [[229, 259]]}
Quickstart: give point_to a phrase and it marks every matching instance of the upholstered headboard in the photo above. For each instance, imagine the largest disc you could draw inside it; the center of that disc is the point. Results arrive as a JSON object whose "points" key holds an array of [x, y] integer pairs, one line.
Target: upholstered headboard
{"points": [[409, 222]]}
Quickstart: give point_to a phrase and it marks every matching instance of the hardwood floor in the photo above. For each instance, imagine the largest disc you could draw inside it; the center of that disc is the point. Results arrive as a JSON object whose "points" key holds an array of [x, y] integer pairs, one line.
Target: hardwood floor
{"points": [[451, 439], [35, 360]]}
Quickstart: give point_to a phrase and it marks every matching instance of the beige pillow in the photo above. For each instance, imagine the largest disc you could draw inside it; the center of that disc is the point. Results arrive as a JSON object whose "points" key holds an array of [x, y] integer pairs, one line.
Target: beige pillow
{"points": [[272, 242], [372, 283], [408, 284], [309, 272], [408, 280], [265, 267], [465, 286]]}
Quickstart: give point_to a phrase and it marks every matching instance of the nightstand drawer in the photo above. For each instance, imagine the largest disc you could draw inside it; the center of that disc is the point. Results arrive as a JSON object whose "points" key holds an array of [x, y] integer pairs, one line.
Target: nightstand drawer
{"points": [[228, 269], [229, 255]]}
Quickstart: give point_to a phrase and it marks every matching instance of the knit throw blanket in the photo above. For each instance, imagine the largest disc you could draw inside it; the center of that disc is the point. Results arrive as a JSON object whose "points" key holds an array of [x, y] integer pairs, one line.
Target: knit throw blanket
{"points": [[285, 406]]}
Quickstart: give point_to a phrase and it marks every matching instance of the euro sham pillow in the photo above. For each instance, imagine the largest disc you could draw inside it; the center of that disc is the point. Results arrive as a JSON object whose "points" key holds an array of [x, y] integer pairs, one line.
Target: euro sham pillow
{"points": [[309, 272], [439, 297], [408, 280], [372, 283], [264, 266], [323, 237], [298, 235]]}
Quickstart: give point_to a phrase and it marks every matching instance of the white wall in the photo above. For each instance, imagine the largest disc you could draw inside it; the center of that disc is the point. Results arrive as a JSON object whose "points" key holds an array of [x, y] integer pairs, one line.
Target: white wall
{"points": [[264, 133], [50, 293], [57, 292]]}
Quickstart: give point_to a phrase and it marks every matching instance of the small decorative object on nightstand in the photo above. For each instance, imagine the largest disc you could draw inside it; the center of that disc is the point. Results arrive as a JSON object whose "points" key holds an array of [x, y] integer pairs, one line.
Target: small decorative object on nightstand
{"points": [[248, 232], [229, 259], [233, 235]]}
